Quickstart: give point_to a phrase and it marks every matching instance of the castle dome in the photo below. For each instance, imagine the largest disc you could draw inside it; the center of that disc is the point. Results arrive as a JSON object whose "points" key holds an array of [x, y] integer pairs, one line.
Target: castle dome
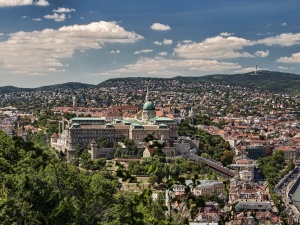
{"points": [[149, 106]]}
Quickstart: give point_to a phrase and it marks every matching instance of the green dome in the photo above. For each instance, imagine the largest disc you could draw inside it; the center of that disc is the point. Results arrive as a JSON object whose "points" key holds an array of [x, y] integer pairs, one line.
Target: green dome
{"points": [[149, 106]]}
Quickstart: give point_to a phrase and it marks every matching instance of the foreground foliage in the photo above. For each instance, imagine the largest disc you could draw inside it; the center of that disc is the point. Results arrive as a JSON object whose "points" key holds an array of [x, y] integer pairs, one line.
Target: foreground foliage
{"points": [[274, 168], [38, 188]]}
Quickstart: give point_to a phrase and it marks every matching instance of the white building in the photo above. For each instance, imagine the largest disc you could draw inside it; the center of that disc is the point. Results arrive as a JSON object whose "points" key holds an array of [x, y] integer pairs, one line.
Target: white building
{"points": [[203, 187]]}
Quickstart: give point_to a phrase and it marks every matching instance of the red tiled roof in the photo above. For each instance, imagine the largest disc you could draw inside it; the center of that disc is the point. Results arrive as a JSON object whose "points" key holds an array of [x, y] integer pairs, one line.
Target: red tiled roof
{"points": [[151, 150], [285, 148], [170, 116], [139, 113], [54, 135], [243, 161], [159, 113]]}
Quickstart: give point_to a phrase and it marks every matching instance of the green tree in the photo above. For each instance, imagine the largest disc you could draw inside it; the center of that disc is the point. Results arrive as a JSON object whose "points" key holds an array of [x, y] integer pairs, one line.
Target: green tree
{"points": [[102, 142], [227, 157]]}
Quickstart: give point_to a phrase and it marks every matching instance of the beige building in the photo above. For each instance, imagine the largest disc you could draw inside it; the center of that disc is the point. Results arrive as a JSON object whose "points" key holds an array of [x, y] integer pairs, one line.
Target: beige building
{"points": [[245, 167], [291, 153], [204, 187], [208, 187], [179, 148], [246, 175], [80, 131]]}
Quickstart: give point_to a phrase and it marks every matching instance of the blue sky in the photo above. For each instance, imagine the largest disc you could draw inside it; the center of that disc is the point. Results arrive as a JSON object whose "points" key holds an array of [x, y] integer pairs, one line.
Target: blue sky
{"points": [[46, 42]]}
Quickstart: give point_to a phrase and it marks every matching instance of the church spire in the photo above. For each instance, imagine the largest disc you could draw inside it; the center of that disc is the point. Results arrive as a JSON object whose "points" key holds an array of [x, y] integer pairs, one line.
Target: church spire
{"points": [[147, 94]]}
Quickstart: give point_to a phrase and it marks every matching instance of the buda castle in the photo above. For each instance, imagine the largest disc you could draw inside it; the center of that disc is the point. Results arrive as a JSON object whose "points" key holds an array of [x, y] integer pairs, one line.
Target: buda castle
{"points": [[80, 131]]}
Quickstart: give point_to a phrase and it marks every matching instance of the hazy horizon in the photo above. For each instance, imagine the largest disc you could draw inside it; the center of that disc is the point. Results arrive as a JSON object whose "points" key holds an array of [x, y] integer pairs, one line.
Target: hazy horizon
{"points": [[50, 84]]}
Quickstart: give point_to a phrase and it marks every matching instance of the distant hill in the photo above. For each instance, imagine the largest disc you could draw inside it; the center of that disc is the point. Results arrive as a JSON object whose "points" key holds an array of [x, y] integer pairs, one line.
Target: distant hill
{"points": [[273, 81], [70, 85], [9, 89]]}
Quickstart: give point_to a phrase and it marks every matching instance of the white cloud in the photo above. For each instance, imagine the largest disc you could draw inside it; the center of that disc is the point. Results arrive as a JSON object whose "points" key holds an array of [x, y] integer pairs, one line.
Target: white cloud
{"points": [[164, 42], [165, 73], [226, 34], [36, 19], [42, 3], [160, 27], [24, 17], [261, 54], [115, 52], [82, 18], [35, 52], [248, 70], [187, 41], [63, 10], [162, 53], [149, 66], [53, 70], [285, 39], [282, 68], [56, 17], [268, 33], [214, 48], [232, 47], [167, 42], [143, 51], [284, 24], [295, 58], [10, 3]]}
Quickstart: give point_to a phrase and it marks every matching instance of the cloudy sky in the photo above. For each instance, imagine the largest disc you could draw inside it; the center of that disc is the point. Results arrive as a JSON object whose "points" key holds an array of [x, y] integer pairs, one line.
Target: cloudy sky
{"points": [[55, 41]]}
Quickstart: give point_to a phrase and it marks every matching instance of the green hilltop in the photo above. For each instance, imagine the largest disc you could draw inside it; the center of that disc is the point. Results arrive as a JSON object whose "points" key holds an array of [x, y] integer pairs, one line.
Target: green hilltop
{"points": [[273, 81], [69, 85]]}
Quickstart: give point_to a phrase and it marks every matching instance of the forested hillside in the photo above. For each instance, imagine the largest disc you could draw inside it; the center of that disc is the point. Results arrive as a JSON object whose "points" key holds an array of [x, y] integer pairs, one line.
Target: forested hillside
{"points": [[272, 81], [276, 82], [39, 188], [70, 85]]}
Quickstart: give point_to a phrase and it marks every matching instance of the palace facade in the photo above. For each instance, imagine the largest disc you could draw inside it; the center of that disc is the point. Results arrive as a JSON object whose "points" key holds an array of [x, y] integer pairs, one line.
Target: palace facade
{"points": [[80, 131]]}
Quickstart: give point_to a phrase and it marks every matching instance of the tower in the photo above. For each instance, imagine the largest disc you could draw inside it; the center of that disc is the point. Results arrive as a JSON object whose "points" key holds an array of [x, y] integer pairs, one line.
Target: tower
{"points": [[74, 101], [148, 108], [147, 94], [62, 123], [94, 148], [192, 114], [148, 111]]}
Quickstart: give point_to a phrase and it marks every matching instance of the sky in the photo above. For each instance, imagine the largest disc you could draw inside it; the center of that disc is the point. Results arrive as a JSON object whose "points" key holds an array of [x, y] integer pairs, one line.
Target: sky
{"points": [[44, 42]]}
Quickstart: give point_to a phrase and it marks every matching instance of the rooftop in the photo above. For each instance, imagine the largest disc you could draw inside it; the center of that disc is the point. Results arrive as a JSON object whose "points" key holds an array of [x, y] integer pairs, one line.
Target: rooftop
{"points": [[87, 119]]}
